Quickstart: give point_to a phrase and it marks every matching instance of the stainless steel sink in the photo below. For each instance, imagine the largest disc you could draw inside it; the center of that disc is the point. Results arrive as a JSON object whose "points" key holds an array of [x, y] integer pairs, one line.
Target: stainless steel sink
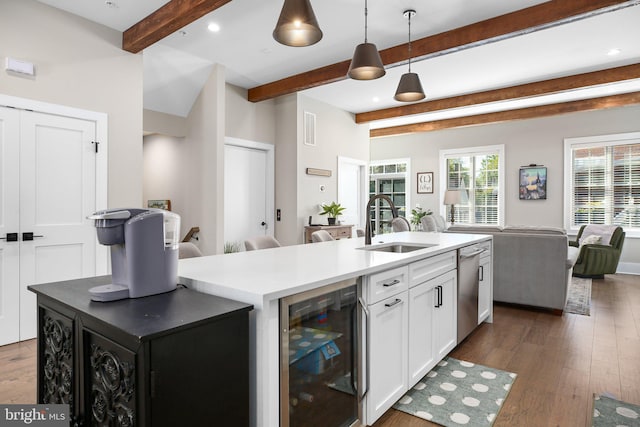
{"points": [[397, 247]]}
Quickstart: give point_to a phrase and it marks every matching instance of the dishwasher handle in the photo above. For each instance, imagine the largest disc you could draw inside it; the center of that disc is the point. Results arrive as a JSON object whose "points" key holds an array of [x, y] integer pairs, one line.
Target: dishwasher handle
{"points": [[471, 254]]}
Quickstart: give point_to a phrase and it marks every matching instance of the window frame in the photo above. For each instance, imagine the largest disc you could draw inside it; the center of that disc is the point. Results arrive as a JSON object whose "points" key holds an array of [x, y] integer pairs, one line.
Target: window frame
{"points": [[598, 141], [498, 149], [392, 175]]}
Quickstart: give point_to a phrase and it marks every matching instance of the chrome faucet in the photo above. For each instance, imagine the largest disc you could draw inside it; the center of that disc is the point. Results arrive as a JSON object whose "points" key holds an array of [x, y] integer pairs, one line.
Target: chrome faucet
{"points": [[368, 232]]}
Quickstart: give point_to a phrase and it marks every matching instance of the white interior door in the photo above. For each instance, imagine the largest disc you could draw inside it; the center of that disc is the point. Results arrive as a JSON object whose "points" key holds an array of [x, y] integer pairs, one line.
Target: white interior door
{"points": [[351, 190], [9, 224], [57, 193], [248, 199]]}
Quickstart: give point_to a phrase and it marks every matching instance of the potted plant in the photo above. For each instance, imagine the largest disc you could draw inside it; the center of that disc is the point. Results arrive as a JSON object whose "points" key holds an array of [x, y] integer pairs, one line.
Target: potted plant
{"points": [[333, 210], [416, 216]]}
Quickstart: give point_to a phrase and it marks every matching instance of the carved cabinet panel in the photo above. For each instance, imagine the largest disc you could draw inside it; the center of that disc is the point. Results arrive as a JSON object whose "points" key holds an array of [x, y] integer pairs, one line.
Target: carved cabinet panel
{"points": [[111, 381], [57, 369]]}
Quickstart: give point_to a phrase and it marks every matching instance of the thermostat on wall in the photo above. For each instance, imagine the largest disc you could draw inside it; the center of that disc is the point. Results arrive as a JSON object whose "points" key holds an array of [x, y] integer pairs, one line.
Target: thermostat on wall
{"points": [[22, 67]]}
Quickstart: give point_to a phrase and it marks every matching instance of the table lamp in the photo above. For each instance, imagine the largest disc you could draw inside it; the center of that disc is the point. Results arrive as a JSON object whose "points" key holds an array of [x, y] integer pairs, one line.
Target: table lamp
{"points": [[452, 197]]}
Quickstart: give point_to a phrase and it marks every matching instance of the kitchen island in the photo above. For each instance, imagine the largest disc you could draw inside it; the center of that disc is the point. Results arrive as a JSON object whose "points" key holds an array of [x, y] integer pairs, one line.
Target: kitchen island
{"points": [[262, 278]]}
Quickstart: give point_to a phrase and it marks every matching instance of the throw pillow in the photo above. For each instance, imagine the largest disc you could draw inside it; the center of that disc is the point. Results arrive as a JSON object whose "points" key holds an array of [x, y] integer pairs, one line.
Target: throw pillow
{"points": [[592, 239]]}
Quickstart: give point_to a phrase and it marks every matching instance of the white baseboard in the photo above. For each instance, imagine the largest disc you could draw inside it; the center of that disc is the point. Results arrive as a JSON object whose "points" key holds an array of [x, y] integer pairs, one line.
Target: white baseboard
{"points": [[628, 268]]}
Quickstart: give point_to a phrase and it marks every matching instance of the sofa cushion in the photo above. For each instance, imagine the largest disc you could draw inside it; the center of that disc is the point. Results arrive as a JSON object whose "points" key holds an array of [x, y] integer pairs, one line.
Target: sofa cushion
{"points": [[532, 229], [468, 228], [572, 256]]}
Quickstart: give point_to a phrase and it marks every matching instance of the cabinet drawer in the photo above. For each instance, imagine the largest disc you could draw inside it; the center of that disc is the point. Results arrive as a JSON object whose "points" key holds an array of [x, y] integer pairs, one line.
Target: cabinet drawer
{"points": [[344, 232], [387, 283], [421, 271]]}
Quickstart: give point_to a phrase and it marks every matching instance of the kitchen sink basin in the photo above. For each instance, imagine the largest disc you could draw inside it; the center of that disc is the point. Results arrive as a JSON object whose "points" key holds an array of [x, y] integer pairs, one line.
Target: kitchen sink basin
{"points": [[397, 247]]}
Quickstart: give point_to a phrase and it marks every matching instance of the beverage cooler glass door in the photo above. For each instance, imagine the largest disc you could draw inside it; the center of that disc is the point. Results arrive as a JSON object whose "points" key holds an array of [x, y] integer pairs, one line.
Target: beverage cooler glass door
{"points": [[320, 357]]}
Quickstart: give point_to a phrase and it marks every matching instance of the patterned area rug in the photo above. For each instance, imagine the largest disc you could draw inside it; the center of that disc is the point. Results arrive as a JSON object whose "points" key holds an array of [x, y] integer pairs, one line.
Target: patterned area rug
{"points": [[579, 299], [458, 393], [608, 412]]}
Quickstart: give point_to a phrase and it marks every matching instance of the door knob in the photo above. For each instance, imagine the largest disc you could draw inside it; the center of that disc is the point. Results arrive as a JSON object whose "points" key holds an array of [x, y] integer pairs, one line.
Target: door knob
{"points": [[10, 237], [263, 223]]}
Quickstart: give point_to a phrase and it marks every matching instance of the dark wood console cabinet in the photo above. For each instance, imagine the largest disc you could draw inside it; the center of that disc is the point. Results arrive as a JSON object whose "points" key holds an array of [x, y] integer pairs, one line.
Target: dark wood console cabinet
{"points": [[175, 359]]}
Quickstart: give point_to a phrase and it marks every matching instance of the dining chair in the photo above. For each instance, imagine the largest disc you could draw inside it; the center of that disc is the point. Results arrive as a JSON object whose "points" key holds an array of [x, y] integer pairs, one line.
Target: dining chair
{"points": [[400, 224], [261, 242], [321, 236]]}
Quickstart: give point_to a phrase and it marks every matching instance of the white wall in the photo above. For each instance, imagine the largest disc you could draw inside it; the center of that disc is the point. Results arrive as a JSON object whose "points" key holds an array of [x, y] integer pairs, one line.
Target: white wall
{"points": [[80, 64], [287, 130], [253, 121], [164, 176], [164, 124], [337, 134], [203, 164], [538, 141]]}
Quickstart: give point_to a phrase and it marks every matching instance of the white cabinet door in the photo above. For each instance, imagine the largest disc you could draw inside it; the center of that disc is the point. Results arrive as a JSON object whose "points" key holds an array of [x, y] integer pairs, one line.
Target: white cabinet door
{"points": [[485, 297], [9, 226], [445, 313], [57, 193], [388, 343], [421, 310]]}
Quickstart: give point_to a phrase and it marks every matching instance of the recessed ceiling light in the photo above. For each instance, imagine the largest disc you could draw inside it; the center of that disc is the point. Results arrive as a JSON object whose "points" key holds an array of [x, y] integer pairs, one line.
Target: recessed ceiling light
{"points": [[213, 27], [375, 99], [614, 52]]}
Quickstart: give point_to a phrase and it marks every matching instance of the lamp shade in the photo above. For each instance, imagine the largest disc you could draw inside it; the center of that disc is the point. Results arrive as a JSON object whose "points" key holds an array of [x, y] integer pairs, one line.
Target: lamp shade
{"points": [[297, 25], [409, 88], [452, 197], [366, 63]]}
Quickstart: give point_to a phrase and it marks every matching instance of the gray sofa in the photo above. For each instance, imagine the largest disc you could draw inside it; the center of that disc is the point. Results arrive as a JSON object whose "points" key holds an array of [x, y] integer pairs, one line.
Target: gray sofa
{"points": [[531, 265]]}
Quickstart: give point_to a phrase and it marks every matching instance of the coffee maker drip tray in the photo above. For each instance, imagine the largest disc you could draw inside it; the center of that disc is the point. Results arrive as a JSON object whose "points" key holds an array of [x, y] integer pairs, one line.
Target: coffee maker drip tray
{"points": [[109, 292]]}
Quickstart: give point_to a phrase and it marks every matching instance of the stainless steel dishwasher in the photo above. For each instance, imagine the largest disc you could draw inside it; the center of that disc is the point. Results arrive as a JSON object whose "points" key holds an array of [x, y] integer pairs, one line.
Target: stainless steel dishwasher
{"points": [[468, 283]]}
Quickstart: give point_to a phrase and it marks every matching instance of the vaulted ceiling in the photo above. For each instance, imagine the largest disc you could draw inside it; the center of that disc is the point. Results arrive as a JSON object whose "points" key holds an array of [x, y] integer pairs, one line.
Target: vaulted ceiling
{"points": [[479, 62]]}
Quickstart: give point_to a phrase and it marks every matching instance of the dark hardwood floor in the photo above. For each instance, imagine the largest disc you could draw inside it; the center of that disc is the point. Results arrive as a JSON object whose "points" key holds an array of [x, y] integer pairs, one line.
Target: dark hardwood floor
{"points": [[560, 360]]}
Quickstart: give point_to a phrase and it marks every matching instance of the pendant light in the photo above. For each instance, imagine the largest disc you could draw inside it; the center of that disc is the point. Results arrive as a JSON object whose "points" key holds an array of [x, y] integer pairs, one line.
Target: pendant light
{"points": [[366, 63], [297, 25], [409, 88]]}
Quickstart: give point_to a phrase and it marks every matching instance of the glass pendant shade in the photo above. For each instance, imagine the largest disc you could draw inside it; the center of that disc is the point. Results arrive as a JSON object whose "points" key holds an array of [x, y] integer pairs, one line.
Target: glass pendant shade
{"points": [[409, 88], [366, 63], [297, 25]]}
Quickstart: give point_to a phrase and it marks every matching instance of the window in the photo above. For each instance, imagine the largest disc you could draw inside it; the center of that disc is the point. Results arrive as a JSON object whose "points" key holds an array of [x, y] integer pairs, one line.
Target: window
{"points": [[388, 177], [479, 172], [603, 178]]}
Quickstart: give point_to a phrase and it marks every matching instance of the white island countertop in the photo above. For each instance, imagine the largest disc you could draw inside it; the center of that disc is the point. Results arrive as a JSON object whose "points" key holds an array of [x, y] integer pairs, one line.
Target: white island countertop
{"points": [[269, 274], [263, 277]]}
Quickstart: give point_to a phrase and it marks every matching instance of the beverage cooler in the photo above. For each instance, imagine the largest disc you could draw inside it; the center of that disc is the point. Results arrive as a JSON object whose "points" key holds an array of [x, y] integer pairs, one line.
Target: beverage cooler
{"points": [[321, 357]]}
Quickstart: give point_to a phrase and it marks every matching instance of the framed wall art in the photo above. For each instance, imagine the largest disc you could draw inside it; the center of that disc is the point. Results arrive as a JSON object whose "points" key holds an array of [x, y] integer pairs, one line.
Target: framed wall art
{"points": [[533, 182], [425, 183], [159, 204]]}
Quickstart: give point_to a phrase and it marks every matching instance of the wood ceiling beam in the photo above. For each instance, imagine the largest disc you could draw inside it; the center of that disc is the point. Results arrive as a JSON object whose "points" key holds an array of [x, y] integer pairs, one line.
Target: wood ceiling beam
{"points": [[544, 87], [601, 103], [166, 20], [500, 27]]}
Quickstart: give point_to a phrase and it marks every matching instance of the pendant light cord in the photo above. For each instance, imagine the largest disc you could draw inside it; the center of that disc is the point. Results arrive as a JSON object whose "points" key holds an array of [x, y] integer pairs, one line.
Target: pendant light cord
{"points": [[366, 12], [409, 41]]}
